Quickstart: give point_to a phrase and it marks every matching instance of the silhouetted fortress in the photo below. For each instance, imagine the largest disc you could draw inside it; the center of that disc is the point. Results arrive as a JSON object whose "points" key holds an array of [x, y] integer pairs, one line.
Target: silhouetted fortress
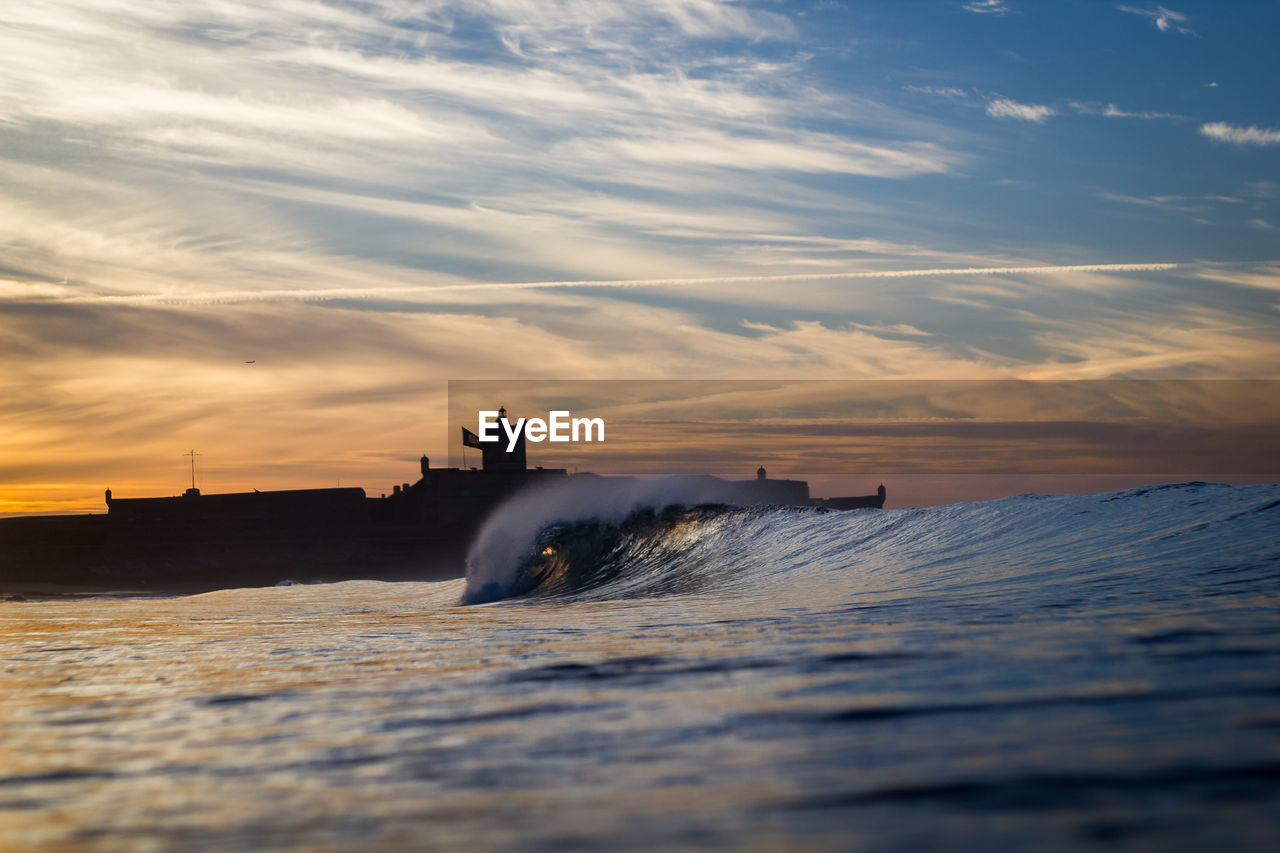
{"points": [[420, 531]]}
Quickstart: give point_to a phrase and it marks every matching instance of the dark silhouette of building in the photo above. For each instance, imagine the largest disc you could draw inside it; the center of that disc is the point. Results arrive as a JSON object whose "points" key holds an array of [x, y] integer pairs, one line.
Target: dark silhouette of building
{"points": [[419, 531], [875, 501]]}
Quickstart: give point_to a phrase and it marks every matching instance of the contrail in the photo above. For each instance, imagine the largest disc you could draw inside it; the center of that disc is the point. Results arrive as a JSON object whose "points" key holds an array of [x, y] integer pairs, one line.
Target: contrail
{"points": [[425, 290], [660, 282]]}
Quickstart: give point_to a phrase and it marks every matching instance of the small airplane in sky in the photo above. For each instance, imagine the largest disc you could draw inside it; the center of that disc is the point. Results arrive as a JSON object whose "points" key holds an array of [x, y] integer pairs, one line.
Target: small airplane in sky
{"points": [[254, 361]]}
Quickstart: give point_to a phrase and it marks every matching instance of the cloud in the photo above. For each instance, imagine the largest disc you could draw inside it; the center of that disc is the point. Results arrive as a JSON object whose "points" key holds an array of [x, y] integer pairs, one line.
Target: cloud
{"points": [[317, 143], [1223, 132], [1166, 20], [940, 91], [801, 152], [1180, 203], [1160, 202], [1265, 277], [344, 375], [226, 297], [1112, 111], [987, 7], [1006, 108], [1261, 225]]}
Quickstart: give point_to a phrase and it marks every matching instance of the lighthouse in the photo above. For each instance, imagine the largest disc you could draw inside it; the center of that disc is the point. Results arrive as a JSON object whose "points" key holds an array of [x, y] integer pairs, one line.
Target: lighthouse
{"points": [[494, 454]]}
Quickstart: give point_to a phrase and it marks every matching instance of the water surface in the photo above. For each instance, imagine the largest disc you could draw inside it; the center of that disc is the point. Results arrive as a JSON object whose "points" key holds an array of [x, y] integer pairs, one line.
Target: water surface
{"points": [[1039, 671]]}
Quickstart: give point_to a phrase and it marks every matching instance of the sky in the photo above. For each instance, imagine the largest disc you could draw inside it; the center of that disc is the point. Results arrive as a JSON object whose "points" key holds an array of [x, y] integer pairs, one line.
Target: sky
{"points": [[930, 441], [367, 200]]}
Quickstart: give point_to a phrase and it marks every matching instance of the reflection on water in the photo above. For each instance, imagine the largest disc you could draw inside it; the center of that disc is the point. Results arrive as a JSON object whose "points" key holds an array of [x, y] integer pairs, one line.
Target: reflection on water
{"points": [[1006, 697]]}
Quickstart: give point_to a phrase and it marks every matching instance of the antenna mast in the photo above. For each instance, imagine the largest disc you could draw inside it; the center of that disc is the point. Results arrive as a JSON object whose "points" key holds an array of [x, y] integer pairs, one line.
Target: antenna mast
{"points": [[193, 456]]}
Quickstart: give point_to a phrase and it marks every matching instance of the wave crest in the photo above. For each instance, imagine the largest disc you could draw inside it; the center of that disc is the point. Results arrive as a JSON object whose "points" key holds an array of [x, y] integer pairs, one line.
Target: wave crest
{"points": [[560, 536], [610, 539]]}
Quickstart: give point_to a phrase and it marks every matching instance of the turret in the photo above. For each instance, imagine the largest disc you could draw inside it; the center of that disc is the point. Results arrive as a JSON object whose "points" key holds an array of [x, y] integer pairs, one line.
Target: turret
{"points": [[495, 456], [760, 473], [425, 464]]}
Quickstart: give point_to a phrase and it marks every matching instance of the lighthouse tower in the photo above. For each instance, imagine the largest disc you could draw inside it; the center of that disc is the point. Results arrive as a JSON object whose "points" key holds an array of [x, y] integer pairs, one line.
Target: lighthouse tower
{"points": [[494, 455]]}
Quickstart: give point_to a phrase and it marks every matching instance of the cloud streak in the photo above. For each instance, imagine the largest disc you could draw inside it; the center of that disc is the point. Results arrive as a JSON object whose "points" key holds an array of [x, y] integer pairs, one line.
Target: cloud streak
{"points": [[987, 7], [1220, 131], [303, 295], [1006, 108], [1166, 20], [1112, 111]]}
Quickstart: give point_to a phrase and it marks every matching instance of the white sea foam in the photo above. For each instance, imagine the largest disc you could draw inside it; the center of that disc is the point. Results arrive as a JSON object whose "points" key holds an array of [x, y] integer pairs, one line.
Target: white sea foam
{"points": [[509, 535]]}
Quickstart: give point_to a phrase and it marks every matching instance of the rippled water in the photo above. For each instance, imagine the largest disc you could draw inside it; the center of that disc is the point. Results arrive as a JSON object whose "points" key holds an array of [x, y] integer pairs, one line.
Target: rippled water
{"points": [[1038, 671]]}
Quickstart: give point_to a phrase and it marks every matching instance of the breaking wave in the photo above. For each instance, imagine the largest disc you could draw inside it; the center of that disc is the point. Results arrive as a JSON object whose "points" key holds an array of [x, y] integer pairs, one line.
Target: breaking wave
{"points": [[545, 535], [600, 539]]}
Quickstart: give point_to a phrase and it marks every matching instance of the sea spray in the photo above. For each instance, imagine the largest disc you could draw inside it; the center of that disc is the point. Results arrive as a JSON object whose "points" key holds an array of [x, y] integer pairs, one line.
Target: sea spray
{"points": [[499, 561]]}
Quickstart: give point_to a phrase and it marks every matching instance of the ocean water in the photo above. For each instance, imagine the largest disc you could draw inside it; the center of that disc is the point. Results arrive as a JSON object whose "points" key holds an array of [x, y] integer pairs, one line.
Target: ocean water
{"points": [[1035, 672]]}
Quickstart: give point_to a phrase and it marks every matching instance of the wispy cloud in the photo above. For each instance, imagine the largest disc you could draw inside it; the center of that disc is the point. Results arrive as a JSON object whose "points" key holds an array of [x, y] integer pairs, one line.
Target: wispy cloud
{"points": [[801, 152], [1113, 111], [225, 297], [987, 7], [1223, 132], [314, 142], [131, 382], [1006, 108], [1159, 202], [1181, 203], [1166, 20], [940, 91]]}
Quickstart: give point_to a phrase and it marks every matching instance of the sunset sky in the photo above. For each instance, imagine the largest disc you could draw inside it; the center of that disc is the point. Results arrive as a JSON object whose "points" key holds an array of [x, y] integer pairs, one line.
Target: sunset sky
{"points": [[369, 199]]}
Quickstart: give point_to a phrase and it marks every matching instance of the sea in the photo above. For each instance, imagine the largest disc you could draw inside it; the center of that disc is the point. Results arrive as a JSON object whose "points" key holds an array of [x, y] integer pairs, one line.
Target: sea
{"points": [[1037, 672]]}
